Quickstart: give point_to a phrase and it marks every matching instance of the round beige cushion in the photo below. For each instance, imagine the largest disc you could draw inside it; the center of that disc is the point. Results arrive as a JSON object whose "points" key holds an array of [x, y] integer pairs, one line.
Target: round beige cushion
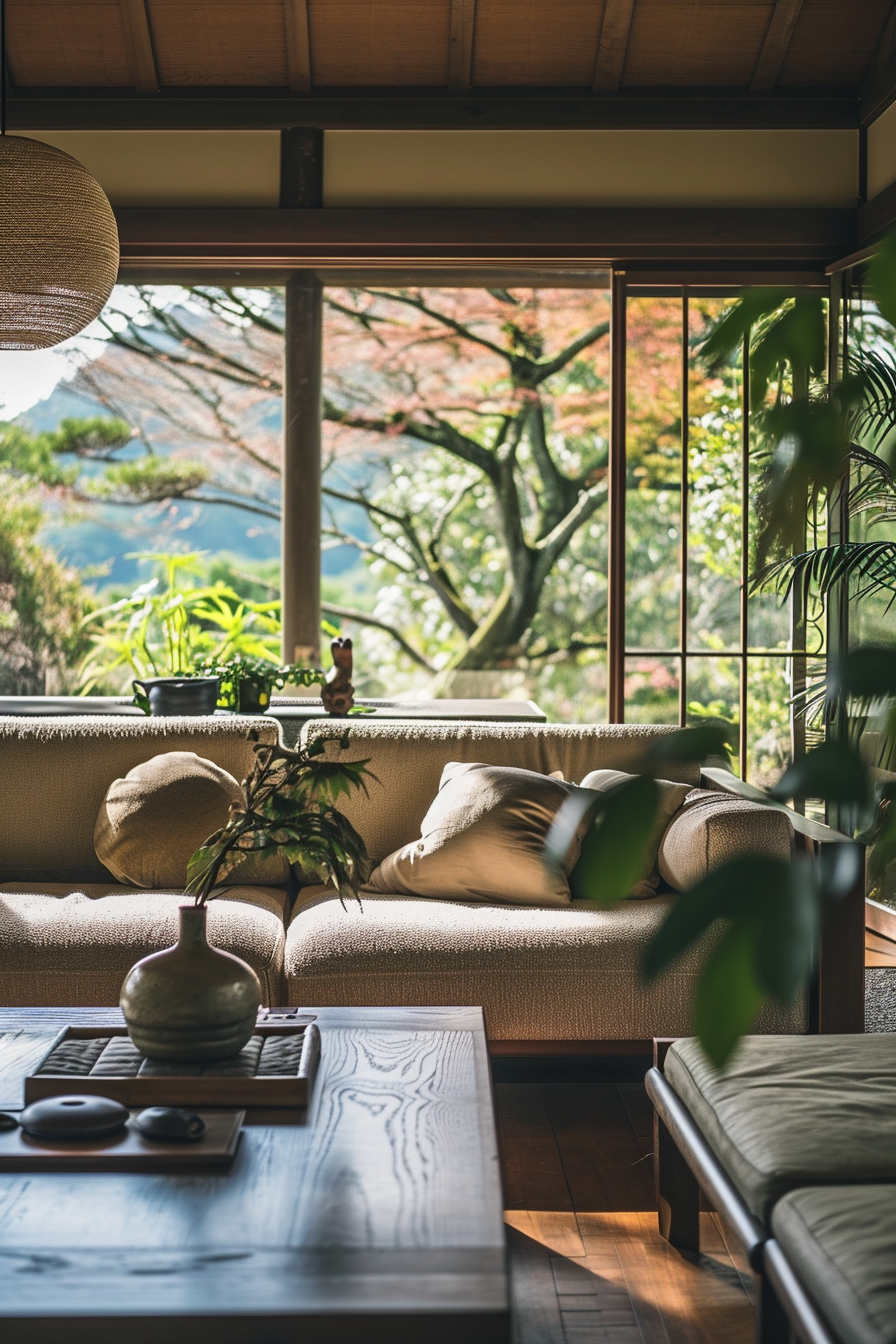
{"points": [[153, 820], [712, 828]]}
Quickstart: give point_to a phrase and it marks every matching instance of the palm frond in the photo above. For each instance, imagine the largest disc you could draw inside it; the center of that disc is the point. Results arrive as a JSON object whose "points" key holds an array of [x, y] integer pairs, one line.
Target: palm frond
{"points": [[877, 413], [868, 567]]}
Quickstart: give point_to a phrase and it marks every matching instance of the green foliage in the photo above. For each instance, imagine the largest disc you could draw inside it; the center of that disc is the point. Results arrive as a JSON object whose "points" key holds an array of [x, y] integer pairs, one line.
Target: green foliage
{"points": [[289, 809], [259, 676], [40, 456], [614, 846], [762, 916], [42, 604], [168, 626], [148, 480]]}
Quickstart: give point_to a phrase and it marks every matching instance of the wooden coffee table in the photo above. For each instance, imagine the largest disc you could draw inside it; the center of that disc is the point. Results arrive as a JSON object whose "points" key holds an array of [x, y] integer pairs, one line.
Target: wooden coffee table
{"points": [[380, 1220]]}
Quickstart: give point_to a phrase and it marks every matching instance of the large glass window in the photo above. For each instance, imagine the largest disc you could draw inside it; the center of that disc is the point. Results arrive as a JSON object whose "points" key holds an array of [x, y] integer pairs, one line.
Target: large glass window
{"points": [[698, 647], [465, 515]]}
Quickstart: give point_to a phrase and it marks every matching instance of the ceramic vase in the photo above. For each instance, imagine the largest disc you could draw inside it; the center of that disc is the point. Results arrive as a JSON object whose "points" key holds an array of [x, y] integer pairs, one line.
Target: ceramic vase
{"points": [[191, 1002]]}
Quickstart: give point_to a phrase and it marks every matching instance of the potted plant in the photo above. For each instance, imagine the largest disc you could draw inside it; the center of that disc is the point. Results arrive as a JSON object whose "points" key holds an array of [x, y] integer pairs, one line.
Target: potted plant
{"points": [[246, 683], [194, 1002]]}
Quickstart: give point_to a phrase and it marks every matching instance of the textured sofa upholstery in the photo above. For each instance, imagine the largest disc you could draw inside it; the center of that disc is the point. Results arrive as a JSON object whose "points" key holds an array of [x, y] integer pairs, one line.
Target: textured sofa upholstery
{"points": [[69, 932], [539, 974]]}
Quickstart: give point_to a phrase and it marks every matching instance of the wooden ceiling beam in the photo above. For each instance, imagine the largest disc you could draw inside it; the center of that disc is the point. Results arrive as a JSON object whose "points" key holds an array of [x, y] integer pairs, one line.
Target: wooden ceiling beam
{"points": [[298, 45], [460, 43], [879, 86], [246, 239], [139, 39], [431, 109], [774, 48], [612, 45]]}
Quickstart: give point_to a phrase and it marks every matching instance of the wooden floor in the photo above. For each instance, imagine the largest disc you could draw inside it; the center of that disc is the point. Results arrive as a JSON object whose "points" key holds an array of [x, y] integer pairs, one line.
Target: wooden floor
{"points": [[587, 1263]]}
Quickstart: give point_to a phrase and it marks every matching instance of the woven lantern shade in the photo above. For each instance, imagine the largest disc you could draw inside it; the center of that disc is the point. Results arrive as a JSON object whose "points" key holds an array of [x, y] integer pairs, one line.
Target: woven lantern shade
{"points": [[58, 245]]}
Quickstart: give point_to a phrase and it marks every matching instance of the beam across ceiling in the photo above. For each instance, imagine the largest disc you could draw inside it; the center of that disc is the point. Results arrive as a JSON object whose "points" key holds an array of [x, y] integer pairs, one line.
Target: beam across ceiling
{"points": [[139, 39], [428, 109], [613, 44], [460, 43], [298, 45], [265, 240], [774, 48]]}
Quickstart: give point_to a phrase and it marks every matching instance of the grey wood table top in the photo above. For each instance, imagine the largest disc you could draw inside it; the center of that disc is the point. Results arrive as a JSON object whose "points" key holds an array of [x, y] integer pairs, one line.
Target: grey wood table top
{"points": [[383, 1214]]}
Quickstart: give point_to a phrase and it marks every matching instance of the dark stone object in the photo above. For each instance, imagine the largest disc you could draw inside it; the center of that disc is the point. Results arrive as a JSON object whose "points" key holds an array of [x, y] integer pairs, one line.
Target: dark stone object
{"points": [[180, 695], [73, 1117], [170, 1124], [337, 692]]}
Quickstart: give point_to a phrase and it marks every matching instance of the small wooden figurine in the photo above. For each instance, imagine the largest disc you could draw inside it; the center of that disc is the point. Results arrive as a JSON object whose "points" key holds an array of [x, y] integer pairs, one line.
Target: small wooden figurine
{"points": [[337, 692]]}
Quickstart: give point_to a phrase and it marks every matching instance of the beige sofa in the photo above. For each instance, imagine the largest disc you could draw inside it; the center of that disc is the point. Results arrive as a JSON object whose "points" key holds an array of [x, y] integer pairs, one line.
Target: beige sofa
{"points": [[68, 933]]}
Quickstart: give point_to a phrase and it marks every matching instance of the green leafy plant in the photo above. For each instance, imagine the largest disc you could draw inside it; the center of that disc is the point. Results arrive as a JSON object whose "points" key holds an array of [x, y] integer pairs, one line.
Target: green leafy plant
{"points": [[170, 626], [763, 915], [247, 683], [289, 809]]}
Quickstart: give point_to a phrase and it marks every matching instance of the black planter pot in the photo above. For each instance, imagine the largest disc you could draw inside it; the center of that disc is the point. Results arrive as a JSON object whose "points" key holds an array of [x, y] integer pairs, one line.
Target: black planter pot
{"points": [[180, 695], [254, 698]]}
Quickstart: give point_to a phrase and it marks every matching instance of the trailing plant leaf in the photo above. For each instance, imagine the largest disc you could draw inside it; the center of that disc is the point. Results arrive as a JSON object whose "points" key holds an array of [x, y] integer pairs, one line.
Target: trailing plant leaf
{"points": [[868, 674], [615, 845], [790, 928], [728, 994], [691, 744], [882, 278], [771, 913], [833, 771], [289, 809]]}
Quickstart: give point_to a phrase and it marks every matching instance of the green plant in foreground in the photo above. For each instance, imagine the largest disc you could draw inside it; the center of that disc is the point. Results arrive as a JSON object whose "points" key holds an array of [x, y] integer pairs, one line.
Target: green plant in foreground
{"points": [[766, 913], [289, 809]]}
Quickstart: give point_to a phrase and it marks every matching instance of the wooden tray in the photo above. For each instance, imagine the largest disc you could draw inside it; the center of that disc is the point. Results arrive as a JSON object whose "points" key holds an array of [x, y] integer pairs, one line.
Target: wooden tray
{"points": [[274, 1073], [126, 1151]]}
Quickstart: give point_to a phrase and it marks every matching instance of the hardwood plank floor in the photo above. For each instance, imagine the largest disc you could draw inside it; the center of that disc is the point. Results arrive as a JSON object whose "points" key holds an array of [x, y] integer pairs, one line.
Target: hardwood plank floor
{"points": [[587, 1263]]}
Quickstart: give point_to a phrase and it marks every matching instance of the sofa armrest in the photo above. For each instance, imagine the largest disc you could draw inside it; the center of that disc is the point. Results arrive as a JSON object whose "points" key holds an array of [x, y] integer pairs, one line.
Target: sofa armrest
{"points": [[837, 994]]}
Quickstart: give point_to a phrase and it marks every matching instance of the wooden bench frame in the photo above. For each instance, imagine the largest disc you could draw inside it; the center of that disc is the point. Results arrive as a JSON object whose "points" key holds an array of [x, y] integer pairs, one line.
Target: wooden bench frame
{"points": [[789, 1309], [684, 1163]]}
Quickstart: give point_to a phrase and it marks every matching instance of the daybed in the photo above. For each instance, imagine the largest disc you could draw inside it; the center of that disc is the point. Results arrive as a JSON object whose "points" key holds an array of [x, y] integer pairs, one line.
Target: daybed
{"points": [[559, 977]]}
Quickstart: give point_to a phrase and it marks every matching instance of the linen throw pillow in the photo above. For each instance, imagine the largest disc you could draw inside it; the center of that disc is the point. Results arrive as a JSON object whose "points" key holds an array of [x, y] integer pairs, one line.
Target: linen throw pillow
{"points": [[150, 822], [711, 828], [672, 797], [482, 840]]}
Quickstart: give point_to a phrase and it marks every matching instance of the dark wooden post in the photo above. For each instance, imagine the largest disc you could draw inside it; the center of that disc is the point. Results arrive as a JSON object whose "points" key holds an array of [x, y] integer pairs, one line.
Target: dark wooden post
{"points": [[301, 488], [616, 556], [301, 168]]}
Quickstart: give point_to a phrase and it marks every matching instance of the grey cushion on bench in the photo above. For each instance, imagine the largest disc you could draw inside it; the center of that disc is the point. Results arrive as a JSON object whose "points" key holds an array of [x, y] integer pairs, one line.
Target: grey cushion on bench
{"points": [[841, 1241], [794, 1110]]}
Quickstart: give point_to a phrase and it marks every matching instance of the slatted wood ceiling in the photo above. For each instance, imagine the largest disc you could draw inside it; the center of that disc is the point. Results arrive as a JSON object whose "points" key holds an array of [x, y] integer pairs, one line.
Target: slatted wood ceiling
{"points": [[299, 44]]}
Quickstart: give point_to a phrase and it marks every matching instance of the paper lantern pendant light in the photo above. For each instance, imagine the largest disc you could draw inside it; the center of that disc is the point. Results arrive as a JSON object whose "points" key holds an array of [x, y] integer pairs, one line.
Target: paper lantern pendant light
{"points": [[58, 245]]}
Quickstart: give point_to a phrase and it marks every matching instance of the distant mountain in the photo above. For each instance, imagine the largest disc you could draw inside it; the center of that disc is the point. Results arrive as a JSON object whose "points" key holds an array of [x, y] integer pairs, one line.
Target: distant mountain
{"points": [[102, 537]]}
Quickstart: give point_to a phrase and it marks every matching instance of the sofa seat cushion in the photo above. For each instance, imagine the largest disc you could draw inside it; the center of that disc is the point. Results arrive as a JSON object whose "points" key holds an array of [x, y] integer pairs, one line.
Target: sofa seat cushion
{"points": [[792, 1111], [539, 973], [64, 945], [841, 1241]]}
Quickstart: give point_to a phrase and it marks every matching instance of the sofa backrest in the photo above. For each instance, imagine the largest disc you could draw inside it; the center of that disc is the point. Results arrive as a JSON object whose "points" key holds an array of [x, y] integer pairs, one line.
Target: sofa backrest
{"points": [[54, 773], [408, 759]]}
